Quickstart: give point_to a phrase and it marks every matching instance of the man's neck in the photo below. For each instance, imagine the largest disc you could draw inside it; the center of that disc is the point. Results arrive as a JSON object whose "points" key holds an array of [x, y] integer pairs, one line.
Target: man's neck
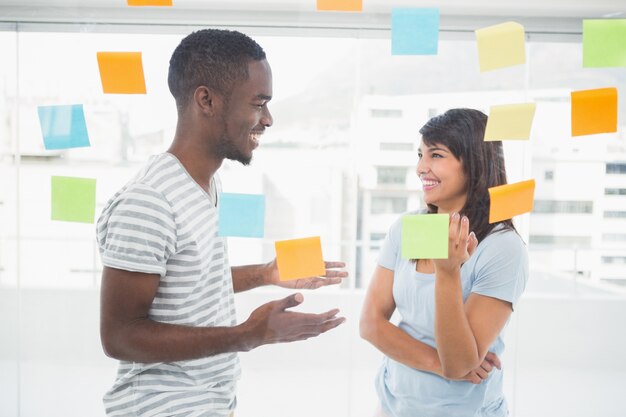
{"points": [[196, 161]]}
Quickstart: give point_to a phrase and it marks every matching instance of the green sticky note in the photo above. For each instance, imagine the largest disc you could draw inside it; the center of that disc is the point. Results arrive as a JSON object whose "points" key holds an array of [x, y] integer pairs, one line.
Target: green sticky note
{"points": [[425, 236], [73, 199], [604, 43]]}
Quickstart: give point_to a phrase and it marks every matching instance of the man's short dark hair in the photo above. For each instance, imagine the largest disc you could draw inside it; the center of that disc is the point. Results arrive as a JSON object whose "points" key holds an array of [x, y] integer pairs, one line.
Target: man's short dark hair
{"points": [[213, 58]]}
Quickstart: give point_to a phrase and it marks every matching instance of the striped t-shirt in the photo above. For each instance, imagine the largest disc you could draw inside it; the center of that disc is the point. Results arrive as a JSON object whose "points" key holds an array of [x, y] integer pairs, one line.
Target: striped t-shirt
{"points": [[162, 222]]}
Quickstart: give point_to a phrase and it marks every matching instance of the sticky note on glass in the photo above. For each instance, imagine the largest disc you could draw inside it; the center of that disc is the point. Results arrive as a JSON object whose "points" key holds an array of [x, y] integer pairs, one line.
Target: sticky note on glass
{"points": [[414, 31], [604, 43], [510, 122], [594, 111], [340, 5], [149, 2], [73, 199], [63, 127], [425, 236], [299, 258], [121, 73], [501, 46], [241, 215], [510, 200]]}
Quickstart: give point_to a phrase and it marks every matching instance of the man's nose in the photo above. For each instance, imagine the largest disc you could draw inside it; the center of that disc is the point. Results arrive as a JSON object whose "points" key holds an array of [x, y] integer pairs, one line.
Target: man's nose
{"points": [[267, 119]]}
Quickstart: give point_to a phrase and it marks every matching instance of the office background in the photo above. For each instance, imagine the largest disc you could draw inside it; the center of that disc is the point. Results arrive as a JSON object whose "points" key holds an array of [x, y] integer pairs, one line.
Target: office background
{"points": [[339, 162]]}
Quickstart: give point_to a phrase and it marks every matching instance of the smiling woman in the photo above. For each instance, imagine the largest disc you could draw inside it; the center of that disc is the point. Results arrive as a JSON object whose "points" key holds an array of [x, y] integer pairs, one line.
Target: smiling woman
{"points": [[463, 167], [443, 356]]}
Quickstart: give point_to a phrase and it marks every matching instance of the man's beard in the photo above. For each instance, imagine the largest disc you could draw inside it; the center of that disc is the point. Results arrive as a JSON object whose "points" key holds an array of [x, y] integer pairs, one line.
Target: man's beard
{"points": [[226, 147], [228, 150]]}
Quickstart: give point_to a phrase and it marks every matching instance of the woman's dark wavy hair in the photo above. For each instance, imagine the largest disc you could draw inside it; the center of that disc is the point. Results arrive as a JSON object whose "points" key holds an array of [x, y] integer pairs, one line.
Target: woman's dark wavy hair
{"points": [[462, 132]]}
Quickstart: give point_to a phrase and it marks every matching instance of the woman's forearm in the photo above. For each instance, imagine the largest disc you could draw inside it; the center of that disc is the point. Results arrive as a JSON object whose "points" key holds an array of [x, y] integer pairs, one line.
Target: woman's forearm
{"points": [[400, 346], [456, 343]]}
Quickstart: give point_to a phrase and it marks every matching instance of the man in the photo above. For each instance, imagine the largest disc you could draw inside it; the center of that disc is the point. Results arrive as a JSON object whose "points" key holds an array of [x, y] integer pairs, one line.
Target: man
{"points": [[167, 304]]}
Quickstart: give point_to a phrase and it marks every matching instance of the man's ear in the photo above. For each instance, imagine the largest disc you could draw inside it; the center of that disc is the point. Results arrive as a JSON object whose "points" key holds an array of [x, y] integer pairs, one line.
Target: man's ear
{"points": [[207, 100]]}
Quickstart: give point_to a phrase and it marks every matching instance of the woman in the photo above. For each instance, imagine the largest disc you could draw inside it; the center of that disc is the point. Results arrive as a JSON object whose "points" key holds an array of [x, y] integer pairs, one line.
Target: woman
{"points": [[442, 358]]}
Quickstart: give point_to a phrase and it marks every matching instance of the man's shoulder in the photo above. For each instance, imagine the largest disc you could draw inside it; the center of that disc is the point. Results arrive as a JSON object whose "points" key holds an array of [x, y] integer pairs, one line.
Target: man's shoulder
{"points": [[144, 188], [162, 176], [159, 172]]}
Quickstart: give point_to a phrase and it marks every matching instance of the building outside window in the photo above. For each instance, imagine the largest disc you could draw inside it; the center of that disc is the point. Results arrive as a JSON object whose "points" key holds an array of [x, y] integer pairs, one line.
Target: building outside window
{"points": [[391, 175]]}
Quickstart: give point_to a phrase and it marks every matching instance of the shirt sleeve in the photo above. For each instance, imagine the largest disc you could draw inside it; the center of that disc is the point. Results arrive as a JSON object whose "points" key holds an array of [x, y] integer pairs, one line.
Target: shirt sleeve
{"points": [[390, 250], [502, 267], [137, 232]]}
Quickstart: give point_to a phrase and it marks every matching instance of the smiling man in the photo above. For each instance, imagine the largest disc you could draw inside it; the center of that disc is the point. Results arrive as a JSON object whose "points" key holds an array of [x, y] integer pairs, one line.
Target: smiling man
{"points": [[167, 296]]}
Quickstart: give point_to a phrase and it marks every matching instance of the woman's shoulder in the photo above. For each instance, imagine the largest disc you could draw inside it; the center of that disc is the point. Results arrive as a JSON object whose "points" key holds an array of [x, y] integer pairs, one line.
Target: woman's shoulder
{"points": [[397, 224], [503, 240]]}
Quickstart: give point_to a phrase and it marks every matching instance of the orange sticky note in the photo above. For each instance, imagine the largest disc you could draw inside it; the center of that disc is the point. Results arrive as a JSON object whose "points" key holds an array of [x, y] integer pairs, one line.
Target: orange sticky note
{"points": [[299, 258], [121, 73], [594, 111], [149, 2], [340, 5], [510, 200]]}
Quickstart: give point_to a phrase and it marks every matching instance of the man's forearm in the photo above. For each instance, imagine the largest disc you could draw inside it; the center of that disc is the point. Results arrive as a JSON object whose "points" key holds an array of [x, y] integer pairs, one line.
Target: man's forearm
{"points": [[145, 340], [247, 277]]}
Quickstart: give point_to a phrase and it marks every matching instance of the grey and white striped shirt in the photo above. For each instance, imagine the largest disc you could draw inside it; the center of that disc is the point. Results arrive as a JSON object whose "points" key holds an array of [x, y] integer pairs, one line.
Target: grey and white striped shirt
{"points": [[162, 222]]}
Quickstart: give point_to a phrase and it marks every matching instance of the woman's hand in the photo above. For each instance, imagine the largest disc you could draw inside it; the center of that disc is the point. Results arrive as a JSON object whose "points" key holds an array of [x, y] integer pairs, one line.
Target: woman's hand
{"points": [[481, 373], [461, 244]]}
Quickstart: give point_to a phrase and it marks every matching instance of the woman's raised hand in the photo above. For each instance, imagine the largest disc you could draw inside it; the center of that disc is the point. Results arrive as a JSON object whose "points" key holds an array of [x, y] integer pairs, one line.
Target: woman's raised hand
{"points": [[461, 244]]}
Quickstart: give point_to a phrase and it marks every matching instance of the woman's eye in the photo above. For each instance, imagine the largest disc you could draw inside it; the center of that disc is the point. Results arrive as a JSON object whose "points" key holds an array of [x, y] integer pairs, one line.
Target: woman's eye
{"points": [[436, 155]]}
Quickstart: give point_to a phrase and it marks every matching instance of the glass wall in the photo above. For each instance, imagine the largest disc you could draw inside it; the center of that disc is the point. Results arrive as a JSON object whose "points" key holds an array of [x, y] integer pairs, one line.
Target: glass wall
{"points": [[9, 173], [339, 162]]}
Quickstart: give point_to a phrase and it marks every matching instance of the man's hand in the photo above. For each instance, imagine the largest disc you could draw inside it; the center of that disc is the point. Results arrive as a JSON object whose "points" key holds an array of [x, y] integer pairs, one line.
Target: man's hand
{"points": [[332, 277], [481, 373], [272, 323]]}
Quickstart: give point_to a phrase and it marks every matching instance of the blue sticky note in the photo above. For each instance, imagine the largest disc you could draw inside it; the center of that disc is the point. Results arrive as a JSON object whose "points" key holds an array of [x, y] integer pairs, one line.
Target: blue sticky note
{"points": [[414, 31], [63, 127], [241, 215]]}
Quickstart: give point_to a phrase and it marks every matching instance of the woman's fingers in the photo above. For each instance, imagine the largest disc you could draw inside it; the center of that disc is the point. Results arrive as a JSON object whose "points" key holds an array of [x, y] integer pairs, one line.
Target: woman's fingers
{"points": [[459, 230], [464, 230]]}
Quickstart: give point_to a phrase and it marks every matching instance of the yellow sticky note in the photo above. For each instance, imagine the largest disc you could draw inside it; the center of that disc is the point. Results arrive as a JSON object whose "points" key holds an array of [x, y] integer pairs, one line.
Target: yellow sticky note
{"points": [[510, 121], [299, 258], [121, 73], [594, 111], [340, 5], [501, 46], [510, 200], [149, 2]]}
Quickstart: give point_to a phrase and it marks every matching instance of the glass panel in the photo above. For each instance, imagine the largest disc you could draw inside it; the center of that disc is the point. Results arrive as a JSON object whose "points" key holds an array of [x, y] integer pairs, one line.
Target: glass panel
{"points": [[588, 167], [59, 264], [339, 162], [9, 172]]}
